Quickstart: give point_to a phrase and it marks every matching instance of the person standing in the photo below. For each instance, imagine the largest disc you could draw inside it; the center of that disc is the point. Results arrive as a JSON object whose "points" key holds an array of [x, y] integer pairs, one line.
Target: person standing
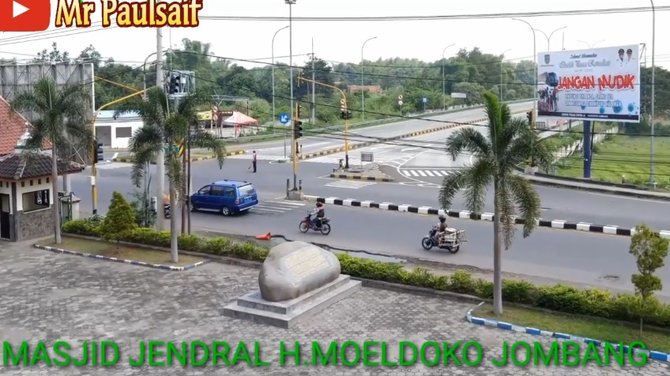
{"points": [[253, 161]]}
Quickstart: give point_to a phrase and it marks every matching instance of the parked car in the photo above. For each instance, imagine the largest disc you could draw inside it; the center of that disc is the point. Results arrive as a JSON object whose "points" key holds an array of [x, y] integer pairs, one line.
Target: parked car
{"points": [[226, 196]]}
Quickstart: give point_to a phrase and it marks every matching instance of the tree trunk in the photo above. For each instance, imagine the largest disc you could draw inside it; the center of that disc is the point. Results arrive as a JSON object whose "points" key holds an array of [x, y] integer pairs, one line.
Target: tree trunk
{"points": [[174, 242], [54, 194], [497, 255]]}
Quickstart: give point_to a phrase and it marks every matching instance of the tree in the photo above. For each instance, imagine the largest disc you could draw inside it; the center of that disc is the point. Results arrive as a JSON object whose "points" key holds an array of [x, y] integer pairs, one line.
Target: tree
{"points": [[508, 144], [168, 125], [53, 56], [62, 118], [120, 219], [649, 250]]}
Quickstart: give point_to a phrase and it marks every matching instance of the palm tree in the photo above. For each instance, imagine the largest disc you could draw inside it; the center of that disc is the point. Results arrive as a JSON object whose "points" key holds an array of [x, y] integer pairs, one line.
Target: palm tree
{"points": [[510, 142], [165, 125], [62, 118]]}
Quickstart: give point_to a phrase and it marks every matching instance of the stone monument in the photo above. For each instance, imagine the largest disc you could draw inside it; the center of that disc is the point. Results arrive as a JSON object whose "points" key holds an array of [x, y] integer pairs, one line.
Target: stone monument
{"points": [[296, 280]]}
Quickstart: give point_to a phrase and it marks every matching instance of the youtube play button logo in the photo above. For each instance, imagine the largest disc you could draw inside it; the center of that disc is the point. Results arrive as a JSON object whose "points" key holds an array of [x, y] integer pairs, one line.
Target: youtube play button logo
{"points": [[25, 15]]}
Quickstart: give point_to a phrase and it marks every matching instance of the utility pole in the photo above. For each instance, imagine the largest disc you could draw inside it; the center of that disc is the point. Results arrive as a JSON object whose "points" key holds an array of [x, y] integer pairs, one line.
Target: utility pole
{"points": [[313, 87], [160, 159]]}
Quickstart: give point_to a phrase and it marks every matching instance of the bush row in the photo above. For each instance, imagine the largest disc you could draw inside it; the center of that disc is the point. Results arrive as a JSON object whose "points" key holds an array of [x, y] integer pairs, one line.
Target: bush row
{"points": [[561, 298]]}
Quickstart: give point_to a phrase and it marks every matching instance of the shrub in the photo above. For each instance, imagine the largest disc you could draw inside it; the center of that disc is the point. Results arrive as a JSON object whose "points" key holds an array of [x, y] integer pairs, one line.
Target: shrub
{"points": [[191, 243], [484, 289], [120, 219], [248, 251], [420, 277], [217, 246], [149, 237], [462, 282], [561, 298], [84, 227], [518, 291]]}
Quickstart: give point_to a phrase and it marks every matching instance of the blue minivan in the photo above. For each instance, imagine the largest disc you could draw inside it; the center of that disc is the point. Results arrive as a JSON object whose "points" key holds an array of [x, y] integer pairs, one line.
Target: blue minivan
{"points": [[226, 196]]}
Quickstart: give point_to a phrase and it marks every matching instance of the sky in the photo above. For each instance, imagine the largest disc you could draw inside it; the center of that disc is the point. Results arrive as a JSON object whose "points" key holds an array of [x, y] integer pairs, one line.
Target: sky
{"points": [[342, 41]]}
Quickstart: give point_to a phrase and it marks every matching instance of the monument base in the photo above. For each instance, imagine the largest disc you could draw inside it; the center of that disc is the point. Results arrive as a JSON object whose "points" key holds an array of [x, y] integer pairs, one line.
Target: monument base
{"points": [[287, 313]]}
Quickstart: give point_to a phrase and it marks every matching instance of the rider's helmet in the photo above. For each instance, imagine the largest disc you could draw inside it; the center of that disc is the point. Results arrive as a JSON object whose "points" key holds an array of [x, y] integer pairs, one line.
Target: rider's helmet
{"points": [[442, 218], [319, 204]]}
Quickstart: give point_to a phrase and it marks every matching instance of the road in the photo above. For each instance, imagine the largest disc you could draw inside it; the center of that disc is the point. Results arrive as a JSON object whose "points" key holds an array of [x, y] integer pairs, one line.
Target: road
{"points": [[580, 257]]}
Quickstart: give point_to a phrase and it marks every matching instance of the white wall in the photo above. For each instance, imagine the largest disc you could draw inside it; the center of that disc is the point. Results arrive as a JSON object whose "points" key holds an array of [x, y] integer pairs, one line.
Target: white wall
{"points": [[116, 141], [35, 187]]}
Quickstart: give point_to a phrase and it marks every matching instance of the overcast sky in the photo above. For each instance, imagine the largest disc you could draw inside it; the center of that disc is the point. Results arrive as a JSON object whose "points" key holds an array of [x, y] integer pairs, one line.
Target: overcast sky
{"points": [[341, 41]]}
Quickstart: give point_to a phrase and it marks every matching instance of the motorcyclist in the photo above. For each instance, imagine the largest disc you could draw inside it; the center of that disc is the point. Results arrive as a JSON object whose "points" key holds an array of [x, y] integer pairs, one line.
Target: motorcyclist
{"points": [[441, 228], [320, 212]]}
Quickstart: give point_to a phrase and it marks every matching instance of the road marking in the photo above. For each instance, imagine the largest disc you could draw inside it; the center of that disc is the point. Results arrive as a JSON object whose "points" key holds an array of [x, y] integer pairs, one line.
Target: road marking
{"points": [[349, 184], [429, 173], [421, 173]]}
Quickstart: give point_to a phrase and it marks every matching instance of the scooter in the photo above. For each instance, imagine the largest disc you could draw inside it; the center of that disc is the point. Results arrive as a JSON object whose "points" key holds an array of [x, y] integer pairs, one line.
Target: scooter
{"points": [[452, 240], [306, 225]]}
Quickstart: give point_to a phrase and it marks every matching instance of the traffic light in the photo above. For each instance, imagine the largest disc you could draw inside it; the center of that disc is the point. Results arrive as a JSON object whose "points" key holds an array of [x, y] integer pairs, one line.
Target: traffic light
{"points": [[98, 153], [345, 114], [297, 124], [175, 82]]}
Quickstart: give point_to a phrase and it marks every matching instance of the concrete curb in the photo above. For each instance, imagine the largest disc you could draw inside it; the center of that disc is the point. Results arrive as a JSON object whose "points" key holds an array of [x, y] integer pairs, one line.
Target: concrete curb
{"points": [[361, 177], [406, 135], [131, 262], [655, 355], [464, 214], [236, 152], [592, 188]]}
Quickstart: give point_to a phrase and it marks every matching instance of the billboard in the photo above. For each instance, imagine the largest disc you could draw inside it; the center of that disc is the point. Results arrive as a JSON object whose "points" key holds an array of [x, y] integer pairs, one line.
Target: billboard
{"points": [[597, 84]]}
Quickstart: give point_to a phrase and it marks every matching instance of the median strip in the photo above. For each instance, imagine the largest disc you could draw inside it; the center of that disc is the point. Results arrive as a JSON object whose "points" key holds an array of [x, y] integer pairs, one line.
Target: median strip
{"points": [[130, 159], [465, 214]]}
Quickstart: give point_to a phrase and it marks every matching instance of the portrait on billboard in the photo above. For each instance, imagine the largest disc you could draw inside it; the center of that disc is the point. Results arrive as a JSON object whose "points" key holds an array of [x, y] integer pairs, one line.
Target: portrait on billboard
{"points": [[600, 83]]}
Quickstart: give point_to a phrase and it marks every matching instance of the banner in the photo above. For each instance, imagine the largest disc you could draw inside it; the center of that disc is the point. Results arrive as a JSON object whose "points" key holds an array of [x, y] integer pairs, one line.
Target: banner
{"points": [[598, 84]]}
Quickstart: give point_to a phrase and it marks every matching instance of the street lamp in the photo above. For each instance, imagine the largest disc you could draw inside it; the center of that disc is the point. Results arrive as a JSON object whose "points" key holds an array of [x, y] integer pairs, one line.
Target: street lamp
{"points": [[501, 73], [444, 93], [362, 84], [591, 45], [535, 67], [274, 117], [652, 179], [550, 35], [290, 59]]}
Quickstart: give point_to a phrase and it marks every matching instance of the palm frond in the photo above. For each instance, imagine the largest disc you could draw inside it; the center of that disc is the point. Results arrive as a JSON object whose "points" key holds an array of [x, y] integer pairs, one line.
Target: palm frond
{"points": [[526, 199], [144, 145], [477, 179], [468, 139], [450, 186], [494, 115], [206, 140]]}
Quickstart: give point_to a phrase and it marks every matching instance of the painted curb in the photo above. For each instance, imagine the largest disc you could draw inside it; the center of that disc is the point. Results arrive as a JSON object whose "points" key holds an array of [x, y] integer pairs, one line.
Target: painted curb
{"points": [[131, 262], [360, 177], [655, 355], [196, 159], [464, 214], [406, 135]]}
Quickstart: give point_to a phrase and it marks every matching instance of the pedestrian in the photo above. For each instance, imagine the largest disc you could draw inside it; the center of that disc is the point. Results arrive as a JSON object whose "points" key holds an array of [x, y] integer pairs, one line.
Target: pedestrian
{"points": [[253, 160]]}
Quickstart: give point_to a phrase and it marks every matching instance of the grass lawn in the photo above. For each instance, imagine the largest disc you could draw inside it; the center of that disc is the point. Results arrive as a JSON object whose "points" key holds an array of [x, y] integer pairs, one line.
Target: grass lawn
{"points": [[122, 252], [598, 329], [623, 155]]}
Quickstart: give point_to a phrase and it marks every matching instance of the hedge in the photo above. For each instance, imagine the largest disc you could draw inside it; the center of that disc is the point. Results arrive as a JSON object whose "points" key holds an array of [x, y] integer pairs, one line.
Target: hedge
{"points": [[561, 298]]}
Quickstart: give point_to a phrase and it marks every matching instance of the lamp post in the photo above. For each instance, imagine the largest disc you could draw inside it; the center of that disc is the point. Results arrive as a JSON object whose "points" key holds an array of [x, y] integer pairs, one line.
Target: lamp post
{"points": [[501, 73], [550, 35], [652, 179], [535, 67], [294, 150], [591, 45], [444, 92], [362, 84], [274, 117]]}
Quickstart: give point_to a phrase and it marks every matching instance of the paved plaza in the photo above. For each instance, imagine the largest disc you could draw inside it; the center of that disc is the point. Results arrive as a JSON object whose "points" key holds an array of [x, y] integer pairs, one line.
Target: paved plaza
{"points": [[51, 297]]}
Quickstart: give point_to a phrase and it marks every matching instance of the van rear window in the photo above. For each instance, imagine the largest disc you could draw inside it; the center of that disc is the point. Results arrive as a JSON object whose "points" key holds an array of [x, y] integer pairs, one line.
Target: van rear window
{"points": [[247, 190]]}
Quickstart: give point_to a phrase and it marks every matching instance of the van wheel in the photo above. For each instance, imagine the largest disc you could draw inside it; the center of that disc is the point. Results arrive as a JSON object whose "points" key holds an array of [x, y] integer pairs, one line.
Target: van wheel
{"points": [[225, 211]]}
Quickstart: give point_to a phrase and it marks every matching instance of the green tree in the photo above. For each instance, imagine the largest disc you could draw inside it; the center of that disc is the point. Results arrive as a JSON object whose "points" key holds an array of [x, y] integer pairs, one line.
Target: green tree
{"points": [[496, 156], [53, 56], [167, 124], [649, 250], [120, 219], [61, 117]]}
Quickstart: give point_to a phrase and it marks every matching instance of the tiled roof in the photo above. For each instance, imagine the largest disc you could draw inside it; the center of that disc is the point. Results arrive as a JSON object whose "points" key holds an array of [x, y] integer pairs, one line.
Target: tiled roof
{"points": [[32, 165], [12, 127]]}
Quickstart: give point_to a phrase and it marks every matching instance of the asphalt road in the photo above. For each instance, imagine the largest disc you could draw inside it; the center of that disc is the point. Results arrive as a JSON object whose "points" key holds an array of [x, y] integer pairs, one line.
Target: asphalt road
{"points": [[576, 256]]}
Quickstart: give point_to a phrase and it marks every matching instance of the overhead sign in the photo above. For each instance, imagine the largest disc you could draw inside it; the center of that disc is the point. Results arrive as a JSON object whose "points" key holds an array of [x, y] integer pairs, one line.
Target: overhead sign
{"points": [[459, 95], [598, 83]]}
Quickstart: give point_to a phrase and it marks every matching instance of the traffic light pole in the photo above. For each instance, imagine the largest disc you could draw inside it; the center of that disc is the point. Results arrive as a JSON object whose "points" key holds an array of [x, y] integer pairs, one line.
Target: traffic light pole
{"points": [[343, 101], [94, 171]]}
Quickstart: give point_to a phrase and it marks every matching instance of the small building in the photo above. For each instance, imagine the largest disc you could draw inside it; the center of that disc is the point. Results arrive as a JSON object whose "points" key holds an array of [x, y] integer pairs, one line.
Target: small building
{"points": [[26, 197], [115, 131]]}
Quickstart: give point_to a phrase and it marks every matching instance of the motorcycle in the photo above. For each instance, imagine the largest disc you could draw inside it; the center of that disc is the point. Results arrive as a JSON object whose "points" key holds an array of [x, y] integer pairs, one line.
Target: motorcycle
{"points": [[306, 225], [451, 241]]}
